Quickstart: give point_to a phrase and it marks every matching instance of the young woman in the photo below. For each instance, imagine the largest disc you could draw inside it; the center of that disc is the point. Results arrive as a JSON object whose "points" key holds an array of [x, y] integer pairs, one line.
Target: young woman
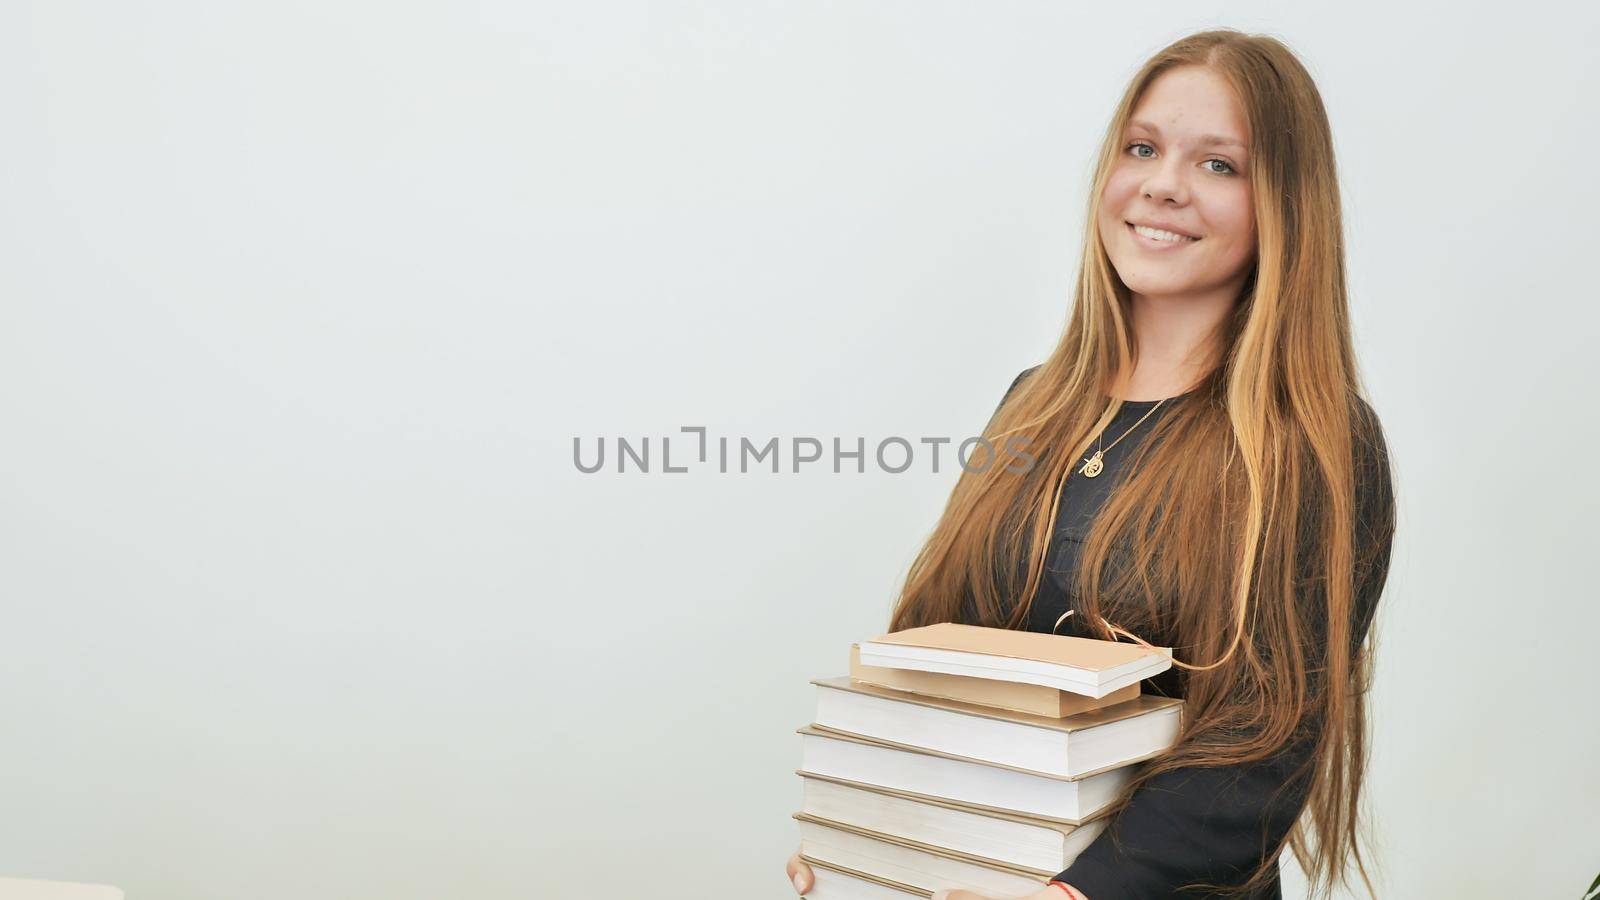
{"points": [[1208, 478]]}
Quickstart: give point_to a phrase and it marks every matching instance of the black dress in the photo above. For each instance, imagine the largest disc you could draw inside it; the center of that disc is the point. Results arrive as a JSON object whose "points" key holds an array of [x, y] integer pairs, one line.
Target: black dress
{"points": [[1193, 824]]}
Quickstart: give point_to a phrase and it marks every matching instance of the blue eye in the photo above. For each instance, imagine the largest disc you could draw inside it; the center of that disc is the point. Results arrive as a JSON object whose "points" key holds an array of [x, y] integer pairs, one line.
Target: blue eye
{"points": [[1226, 165]]}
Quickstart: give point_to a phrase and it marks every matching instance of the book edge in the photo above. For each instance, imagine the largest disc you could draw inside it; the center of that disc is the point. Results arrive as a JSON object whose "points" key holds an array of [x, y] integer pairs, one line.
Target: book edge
{"points": [[1062, 826], [946, 852]]}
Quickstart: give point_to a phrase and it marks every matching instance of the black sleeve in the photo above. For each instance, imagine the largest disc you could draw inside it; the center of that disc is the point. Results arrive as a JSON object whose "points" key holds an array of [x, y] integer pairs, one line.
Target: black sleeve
{"points": [[1214, 823]]}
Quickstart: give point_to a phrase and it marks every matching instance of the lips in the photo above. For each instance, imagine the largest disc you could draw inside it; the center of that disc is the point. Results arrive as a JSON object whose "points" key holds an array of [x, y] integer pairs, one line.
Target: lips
{"points": [[1183, 236], [1156, 245]]}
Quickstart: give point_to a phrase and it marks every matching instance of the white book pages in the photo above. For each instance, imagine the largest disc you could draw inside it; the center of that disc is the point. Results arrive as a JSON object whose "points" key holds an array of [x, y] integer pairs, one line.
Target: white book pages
{"points": [[911, 866], [961, 780], [1039, 845], [1004, 668], [831, 885], [1049, 750]]}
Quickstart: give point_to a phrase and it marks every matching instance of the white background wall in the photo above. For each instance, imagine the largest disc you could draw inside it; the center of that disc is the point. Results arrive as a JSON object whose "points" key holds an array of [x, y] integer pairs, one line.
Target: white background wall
{"points": [[304, 303]]}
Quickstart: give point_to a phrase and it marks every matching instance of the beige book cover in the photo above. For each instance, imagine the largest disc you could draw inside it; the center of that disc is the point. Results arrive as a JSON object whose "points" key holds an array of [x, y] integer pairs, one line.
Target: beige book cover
{"points": [[1065, 826], [914, 891], [1080, 653], [814, 730], [1013, 695], [928, 848], [1141, 704]]}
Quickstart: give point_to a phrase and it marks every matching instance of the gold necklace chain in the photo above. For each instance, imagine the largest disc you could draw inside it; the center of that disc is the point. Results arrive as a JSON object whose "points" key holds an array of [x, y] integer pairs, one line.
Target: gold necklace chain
{"points": [[1093, 464]]}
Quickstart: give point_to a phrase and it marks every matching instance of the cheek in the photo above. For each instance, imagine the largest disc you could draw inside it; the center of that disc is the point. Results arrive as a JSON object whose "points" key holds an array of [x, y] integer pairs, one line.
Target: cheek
{"points": [[1114, 200], [1232, 218], [1120, 188]]}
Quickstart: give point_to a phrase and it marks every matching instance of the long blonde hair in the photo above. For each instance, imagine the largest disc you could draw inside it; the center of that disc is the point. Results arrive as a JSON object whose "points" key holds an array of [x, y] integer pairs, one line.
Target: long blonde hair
{"points": [[1232, 538]]}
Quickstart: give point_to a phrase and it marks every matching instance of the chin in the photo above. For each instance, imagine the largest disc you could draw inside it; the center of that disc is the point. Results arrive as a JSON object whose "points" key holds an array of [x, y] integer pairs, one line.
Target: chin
{"points": [[1151, 283]]}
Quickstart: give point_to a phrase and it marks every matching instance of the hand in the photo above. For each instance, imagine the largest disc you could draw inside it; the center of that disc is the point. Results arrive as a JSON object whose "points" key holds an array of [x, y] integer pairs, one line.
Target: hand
{"points": [[800, 874], [1047, 893]]}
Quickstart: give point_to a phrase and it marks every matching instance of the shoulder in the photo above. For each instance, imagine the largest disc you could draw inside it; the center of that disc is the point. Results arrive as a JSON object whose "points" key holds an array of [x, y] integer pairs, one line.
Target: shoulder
{"points": [[1011, 390], [1019, 379], [1369, 444], [1363, 417], [1374, 476]]}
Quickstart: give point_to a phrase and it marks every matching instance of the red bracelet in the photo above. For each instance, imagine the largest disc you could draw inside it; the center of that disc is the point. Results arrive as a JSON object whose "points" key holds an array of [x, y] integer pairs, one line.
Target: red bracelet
{"points": [[1070, 892]]}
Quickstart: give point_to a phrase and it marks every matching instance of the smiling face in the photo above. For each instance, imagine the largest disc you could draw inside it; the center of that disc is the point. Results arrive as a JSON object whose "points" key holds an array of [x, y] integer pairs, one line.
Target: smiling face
{"points": [[1183, 169]]}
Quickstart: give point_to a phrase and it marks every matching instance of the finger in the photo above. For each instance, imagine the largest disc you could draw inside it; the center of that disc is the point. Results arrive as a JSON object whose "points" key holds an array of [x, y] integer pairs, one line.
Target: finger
{"points": [[799, 875]]}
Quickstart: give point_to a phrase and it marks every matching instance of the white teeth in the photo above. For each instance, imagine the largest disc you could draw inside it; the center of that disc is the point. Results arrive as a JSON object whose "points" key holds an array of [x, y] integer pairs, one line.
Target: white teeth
{"points": [[1159, 235]]}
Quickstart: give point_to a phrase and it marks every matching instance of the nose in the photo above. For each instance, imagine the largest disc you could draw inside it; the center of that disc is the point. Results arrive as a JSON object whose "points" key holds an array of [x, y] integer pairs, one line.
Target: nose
{"points": [[1166, 183]]}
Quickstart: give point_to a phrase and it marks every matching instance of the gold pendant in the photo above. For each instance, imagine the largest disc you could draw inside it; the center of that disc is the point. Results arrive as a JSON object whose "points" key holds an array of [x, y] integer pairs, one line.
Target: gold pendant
{"points": [[1093, 466]]}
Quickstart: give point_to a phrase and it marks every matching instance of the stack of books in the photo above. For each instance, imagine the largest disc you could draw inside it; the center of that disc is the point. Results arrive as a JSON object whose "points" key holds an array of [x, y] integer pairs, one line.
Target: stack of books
{"points": [[958, 756]]}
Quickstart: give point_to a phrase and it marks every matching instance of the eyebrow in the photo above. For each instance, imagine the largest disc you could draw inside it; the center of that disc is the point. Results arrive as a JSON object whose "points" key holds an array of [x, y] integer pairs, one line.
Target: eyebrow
{"points": [[1208, 140]]}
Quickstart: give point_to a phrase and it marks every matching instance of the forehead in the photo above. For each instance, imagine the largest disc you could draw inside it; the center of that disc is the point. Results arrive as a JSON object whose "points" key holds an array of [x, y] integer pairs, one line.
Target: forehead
{"points": [[1193, 105]]}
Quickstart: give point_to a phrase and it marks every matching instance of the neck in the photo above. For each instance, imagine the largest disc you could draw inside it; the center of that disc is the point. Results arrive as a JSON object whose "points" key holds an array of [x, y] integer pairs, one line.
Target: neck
{"points": [[1175, 342]]}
